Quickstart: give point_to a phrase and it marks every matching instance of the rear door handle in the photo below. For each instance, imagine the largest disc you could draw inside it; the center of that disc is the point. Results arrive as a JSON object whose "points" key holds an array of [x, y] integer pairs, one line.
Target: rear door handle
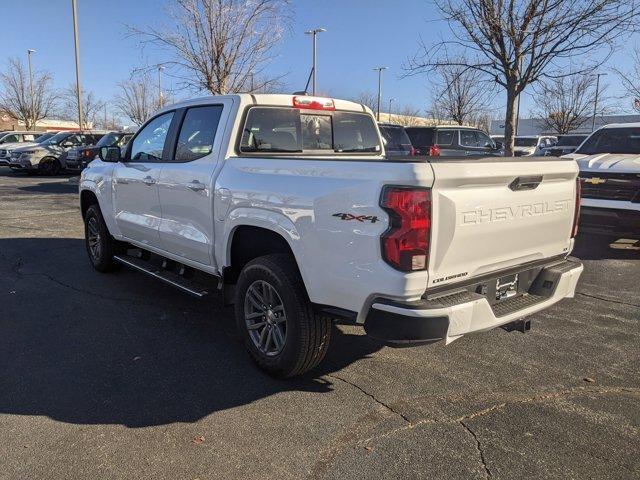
{"points": [[149, 180], [196, 186]]}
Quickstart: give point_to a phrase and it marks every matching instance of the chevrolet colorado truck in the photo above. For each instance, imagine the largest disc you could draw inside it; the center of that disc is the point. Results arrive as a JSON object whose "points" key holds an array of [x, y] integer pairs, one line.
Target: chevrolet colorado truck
{"points": [[289, 206], [609, 162]]}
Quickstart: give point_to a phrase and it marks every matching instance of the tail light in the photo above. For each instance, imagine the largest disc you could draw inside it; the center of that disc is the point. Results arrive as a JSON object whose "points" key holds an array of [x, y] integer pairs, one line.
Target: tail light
{"points": [[87, 153], [576, 211], [405, 244], [434, 151]]}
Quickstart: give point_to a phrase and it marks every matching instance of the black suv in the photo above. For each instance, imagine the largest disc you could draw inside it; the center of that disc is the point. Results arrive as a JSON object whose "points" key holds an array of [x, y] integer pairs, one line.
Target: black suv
{"points": [[396, 140], [78, 158], [452, 141]]}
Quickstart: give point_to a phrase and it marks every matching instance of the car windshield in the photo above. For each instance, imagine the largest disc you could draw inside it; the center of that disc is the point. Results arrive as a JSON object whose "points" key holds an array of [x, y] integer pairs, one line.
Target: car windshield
{"points": [[571, 140], [526, 142], [290, 130], [395, 137], [109, 139], [612, 140], [43, 138], [56, 139]]}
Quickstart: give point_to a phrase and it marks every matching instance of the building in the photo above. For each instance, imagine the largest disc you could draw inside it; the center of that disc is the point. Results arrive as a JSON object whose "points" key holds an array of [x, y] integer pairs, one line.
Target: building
{"points": [[45, 125], [533, 126]]}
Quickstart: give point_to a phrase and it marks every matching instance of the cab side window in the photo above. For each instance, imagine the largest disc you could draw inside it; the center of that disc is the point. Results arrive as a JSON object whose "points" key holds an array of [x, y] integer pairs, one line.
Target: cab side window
{"points": [[149, 143], [197, 133], [484, 140]]}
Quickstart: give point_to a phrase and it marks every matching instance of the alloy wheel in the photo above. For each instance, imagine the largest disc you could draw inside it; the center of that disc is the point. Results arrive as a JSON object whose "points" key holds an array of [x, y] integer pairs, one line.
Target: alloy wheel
{"points": [[265, 318], [94, 238]]}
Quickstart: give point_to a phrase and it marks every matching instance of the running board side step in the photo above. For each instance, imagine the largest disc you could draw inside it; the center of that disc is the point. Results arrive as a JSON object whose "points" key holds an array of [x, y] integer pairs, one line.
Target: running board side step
{"points": [[165, 276]]}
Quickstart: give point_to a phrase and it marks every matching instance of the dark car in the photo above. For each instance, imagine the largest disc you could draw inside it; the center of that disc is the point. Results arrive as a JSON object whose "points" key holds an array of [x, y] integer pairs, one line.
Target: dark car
{"points": [[78, 158], [566, 144], [452, 141], [396, 140]]}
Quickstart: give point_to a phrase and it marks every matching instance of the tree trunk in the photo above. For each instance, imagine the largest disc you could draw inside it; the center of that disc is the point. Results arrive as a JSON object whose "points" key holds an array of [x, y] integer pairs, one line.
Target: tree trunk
{"points": [[510, 120]]}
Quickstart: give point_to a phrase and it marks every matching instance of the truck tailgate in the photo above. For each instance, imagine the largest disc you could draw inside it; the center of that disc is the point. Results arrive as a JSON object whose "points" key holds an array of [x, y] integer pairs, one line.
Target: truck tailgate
{"points": [[492, 214]]}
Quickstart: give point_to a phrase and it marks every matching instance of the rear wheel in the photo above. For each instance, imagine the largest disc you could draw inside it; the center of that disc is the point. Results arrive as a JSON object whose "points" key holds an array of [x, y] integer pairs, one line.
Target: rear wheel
{"points": [[99, 243], [50, 166], [282, 333]]}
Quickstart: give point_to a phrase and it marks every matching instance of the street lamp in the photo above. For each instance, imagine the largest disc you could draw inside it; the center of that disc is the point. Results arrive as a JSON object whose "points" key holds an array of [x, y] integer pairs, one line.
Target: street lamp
{"points": [[595, 103], [29, 52], [74, 8], [160, 99], [315, 33], [391, 100], [379, 70]]}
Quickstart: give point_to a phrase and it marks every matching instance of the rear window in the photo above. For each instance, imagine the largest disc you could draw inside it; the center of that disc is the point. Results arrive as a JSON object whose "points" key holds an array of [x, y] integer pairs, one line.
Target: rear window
{"points": [[525, 142], [395, 137], [290, 130], [612, 140], [421, 137]]}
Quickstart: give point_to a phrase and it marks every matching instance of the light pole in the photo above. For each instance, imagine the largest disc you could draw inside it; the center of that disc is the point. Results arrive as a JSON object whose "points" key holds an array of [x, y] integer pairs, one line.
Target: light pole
{"points": [[379, 70], [74, 8], [33, 115], [160, 99], [391, 100], [595, 103], [315, 33]]}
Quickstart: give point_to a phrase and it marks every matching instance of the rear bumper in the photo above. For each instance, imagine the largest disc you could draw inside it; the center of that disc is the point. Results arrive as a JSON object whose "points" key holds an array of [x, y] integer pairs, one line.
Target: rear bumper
{"points": [[610, 221], [451, 316]]}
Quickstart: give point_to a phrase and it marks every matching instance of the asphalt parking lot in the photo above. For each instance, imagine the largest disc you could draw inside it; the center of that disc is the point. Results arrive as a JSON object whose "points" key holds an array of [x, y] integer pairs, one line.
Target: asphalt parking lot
{"points": [[119, 376]]}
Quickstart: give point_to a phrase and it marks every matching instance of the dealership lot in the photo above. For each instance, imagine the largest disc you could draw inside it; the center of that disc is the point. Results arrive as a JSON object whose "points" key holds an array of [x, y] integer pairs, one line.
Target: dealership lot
{"points": [[106, 375]]}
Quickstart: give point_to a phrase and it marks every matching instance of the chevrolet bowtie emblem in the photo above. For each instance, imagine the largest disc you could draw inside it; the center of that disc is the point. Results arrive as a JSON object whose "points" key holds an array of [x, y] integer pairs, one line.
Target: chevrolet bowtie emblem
{"points": [[594, 180]]}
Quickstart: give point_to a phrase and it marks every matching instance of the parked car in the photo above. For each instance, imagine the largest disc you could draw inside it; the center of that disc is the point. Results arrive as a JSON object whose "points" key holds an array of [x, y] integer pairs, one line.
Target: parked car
{"points": [[289, 206], [396, 141], [7, 148], [78, 158], [47, 157], [452, 140], [18, 137], [532, 145], [609, 161], [566, 144]]}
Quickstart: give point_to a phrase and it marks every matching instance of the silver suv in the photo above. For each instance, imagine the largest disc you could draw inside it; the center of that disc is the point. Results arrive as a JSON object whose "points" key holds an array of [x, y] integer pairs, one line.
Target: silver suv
{"points": [[47, 157]]}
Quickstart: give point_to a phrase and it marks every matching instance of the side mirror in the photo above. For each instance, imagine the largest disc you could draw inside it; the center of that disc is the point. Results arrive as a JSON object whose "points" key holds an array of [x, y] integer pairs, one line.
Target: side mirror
{"points": [[110, 154], [499, 145]]}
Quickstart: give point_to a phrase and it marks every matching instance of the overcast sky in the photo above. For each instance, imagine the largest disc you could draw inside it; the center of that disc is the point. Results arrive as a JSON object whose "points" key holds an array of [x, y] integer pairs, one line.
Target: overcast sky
{"points": [[361, 34]]}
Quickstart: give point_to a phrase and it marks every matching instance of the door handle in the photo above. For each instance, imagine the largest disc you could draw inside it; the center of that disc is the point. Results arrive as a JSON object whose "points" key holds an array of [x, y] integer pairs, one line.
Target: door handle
{"points": [[148, 180], [121, 181], [196, 186]]}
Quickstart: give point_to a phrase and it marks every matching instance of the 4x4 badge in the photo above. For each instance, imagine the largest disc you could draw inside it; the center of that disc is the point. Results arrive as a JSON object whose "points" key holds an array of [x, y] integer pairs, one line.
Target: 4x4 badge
{"points": [[359, 218]]}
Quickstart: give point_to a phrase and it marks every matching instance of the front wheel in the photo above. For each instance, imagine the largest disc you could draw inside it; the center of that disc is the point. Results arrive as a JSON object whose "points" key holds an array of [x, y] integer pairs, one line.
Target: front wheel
{"points": [[282, 333], [99, 243], [50, 166]]}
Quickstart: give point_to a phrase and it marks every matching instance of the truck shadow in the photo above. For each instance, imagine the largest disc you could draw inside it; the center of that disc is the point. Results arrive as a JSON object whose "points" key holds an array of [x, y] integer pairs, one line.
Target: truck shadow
{"points": [[85, 348], [600, 247]]}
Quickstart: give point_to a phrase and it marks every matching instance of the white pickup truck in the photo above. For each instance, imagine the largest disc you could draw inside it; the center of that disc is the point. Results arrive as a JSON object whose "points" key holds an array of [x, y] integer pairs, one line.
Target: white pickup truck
{"points": [[288, 205]]}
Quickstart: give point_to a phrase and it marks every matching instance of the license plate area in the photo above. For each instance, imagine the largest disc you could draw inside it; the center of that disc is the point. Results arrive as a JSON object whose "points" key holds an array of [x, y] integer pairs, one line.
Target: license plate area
{"points": [[506, 287]]}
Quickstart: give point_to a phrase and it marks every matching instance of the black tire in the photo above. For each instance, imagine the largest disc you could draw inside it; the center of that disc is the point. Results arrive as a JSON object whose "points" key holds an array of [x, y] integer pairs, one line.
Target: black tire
{"points": [[102, 257], [307, 334], [50, 166]]}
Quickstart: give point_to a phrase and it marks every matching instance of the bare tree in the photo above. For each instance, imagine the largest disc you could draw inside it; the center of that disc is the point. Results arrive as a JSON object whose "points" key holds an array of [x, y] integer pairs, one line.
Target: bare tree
{"points": [[222, 46], [366, 98], [91, 106], [407, 116], [461, 94], [519, 42], [566, 103], [630, 80], [136, 99], [15, 96]]}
